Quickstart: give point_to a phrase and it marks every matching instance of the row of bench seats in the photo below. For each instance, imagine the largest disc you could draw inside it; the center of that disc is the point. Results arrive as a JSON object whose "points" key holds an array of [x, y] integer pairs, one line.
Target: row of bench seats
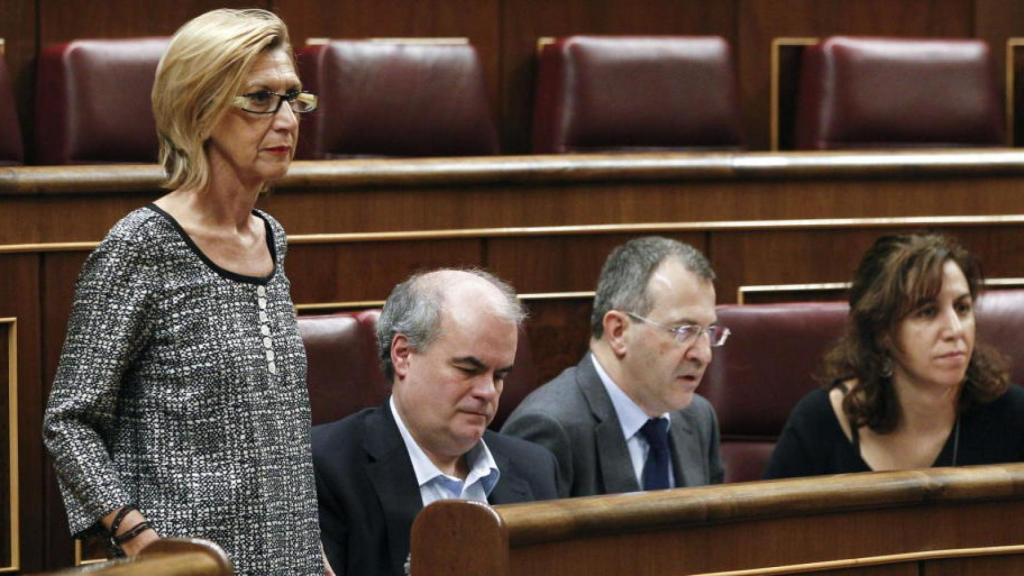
{"points": [[387, 98], [753, 382]]}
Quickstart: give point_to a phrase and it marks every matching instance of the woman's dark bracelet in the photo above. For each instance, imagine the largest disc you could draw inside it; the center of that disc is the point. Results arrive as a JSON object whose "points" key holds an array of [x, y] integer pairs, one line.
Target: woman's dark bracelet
{"points": [[131, 534], [119, 517]]}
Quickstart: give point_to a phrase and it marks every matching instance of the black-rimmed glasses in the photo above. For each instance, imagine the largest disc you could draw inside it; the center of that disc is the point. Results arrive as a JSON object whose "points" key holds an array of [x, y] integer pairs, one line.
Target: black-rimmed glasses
{"points": [[267, 102], [687, 333]]}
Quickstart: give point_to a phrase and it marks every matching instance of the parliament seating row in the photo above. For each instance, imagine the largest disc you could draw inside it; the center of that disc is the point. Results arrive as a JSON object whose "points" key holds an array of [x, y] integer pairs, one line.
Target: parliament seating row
{"points": [[592, 93], [771, 360]]}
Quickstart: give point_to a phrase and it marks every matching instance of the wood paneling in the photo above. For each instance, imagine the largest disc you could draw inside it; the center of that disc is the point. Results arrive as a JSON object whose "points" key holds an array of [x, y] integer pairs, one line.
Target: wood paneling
{"points": [[823, 256], [19, 278], [64, 20], [570, 263], [524, 21], [986, 566], [368, 271]]}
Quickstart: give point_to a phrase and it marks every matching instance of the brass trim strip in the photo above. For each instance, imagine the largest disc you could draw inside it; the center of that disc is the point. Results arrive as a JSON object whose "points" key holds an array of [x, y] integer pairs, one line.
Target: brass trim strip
{"points": [[361, 304], [454, 40], [1011, 80], [3, 48], [342, 305], [773, 104], [48, 247], [874, 561], [12, 445], [742, 291], [422, 40], [596, 229], [1005, 282], [80, 560], [542, 42]]}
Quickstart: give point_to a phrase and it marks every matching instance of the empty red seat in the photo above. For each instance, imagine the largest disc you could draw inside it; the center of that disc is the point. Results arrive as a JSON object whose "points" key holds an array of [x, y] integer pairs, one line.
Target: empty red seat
{"points": [[381, 98], [889, 92], [765, 368], [93, 101], [343, 374], [602, 93], [11, 151]]}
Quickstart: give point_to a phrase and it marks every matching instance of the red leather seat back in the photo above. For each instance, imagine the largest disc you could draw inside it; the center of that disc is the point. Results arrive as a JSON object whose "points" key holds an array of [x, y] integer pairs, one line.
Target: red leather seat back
{"points": [[764, 369], [395, 99], [93, 101], [635, 93], [344, 375], [1000, 319], [11, 151], [882, 92]]}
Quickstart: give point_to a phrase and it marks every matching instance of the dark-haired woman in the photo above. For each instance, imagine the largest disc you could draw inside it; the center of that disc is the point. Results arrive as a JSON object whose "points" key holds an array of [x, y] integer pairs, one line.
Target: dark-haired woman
{"points": [[907, 387]]}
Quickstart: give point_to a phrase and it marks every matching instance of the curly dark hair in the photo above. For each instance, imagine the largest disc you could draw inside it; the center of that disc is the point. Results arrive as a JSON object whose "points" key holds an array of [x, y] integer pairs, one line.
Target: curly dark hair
{"points": [[897, 275]]}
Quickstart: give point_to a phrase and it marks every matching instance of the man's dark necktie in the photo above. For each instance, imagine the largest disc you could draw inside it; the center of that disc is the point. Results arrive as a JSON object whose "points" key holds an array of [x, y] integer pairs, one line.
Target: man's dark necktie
{"points": [[655, 476]]}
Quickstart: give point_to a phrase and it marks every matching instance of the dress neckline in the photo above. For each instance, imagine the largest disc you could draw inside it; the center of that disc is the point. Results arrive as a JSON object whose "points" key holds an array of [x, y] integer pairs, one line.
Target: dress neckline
{"points": [[223, 272]]}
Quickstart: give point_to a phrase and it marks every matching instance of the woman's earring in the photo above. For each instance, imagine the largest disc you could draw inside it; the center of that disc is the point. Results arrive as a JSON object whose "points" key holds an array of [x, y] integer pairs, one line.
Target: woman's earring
{"points": [[887, 367]]}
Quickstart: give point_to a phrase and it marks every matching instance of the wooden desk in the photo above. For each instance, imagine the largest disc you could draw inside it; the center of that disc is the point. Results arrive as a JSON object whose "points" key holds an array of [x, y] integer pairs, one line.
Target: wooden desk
{"points": [[928, 522]]}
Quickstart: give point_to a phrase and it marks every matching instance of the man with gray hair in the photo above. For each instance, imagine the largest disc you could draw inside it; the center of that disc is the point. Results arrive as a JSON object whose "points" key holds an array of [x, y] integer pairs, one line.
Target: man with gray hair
{"points": [[447, 339], [627, 417]]}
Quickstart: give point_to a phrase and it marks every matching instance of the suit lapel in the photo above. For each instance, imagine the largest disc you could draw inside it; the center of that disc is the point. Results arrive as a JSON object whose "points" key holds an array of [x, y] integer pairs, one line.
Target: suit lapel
{"points": [[394, 481], [510, 488], [687, 461], [613, 461]]}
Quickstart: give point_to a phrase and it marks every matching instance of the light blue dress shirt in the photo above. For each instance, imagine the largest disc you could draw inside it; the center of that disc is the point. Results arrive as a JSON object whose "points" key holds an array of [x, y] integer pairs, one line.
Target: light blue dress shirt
{"points": [[631, 418], [436, 485]]}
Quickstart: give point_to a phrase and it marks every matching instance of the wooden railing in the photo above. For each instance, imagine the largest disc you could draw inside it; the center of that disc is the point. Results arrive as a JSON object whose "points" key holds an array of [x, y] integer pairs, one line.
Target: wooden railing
{"points": [[908, 523], [167, 557]]}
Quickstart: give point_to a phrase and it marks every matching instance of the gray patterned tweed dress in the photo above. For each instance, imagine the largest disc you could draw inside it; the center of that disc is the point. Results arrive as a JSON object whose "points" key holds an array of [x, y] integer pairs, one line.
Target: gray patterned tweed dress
{"points": [[182, 390]]}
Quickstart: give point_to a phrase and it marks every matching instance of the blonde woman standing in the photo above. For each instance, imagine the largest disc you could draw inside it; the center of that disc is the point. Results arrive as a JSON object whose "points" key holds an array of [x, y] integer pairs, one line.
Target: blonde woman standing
{"points": [[180, 405]]}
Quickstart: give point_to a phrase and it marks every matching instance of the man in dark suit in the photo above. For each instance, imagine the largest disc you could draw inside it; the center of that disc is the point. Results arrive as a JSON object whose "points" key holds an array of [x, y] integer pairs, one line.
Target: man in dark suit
{"points": [[447, 339], [627, 417]]}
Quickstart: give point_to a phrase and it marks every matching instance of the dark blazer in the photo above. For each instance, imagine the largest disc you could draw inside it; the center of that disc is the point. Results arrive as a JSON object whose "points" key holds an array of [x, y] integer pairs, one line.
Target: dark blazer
{"points": [[368, 495], [574, 417]]}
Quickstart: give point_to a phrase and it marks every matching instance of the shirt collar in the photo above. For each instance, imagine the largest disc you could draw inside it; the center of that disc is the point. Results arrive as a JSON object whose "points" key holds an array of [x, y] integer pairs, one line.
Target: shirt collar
{"points": [[482, 466], [631, 416]]}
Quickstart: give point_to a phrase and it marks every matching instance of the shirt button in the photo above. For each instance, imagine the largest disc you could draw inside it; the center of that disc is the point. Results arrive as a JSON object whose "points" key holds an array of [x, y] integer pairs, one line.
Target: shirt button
{"points": [[264, 317], [263, 303], [270, 355], [267, 342], [261, 291], [272, 367], [265, 330]]}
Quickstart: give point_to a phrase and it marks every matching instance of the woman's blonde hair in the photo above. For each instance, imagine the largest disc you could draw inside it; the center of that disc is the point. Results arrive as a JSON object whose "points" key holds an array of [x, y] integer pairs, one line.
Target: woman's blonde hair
{"points": [[202, 71]]}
